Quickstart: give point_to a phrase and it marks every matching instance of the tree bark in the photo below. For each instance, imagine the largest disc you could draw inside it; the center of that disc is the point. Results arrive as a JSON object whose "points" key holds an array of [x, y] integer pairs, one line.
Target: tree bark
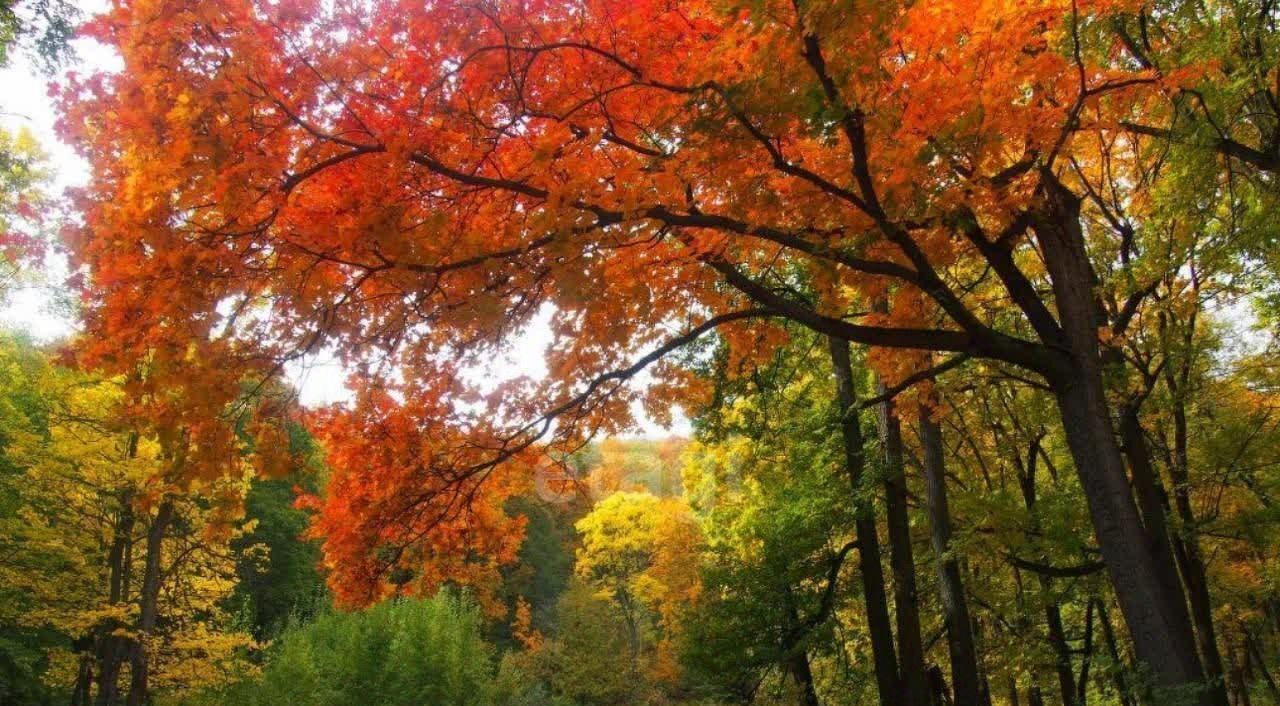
{"points": [[1156, 615], [1119, 666], [966, 681], [901, 559], [1186, 546], [112, 648], [148, 605], [1173, 552], [874, 593]]}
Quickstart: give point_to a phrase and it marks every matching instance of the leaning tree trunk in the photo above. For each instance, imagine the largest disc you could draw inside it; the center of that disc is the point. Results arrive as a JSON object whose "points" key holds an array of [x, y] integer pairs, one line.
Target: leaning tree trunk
{"points": [[1155, 612], [874, 593], [1171, 549], [905, 596], [148, 603], [965, 679]]}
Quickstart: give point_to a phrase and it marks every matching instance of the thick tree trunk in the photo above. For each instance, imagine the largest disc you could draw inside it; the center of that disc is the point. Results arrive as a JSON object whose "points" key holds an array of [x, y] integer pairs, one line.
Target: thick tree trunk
{"points": [[1156, 615], [965, 678], [148, 605], [874, 593], [901, 559]]}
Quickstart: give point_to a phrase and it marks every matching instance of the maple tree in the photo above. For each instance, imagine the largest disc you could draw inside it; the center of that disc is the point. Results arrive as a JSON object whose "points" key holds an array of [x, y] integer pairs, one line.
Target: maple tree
{"points": [[412, 184]]}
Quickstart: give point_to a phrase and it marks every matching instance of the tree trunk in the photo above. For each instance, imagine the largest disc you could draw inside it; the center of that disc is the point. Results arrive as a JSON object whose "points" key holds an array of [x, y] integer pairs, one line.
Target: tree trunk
{"points": [[965, 679], [1118, 663], [1172, 551], [1052, 613], [112, 648], [84, 680], [874, 592], [1187, 547], [1156, 615], [901, 560], [1236, 678], [802, 673], [148, 605]]}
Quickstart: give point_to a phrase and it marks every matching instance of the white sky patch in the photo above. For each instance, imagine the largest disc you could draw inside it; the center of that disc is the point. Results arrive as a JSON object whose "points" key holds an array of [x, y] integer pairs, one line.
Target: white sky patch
{"points": [[41, 306]]}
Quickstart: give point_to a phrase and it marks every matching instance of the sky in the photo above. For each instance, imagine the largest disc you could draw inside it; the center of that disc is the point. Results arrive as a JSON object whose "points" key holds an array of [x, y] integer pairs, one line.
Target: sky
{"points": [[34, 307]]}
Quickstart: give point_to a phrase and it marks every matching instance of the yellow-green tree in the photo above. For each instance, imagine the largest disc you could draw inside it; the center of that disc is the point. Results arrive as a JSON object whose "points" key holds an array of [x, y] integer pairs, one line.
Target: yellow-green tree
{"points": [[129, 570], [641, 552]]}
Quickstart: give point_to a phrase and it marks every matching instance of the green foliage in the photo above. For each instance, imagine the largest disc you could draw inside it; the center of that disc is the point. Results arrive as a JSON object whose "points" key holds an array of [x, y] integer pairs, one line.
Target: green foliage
{"points": [[285, 583], [400, 653], [591, 662], [765, 477], [544, 567], [278, 571]]}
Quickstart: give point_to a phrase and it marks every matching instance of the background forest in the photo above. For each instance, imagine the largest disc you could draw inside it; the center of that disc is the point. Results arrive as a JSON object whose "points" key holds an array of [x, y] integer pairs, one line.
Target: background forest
{"points": [[971, 309]]}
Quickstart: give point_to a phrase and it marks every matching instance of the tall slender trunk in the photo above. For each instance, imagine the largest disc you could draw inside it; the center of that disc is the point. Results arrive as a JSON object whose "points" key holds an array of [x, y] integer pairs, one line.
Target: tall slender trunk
{"points": [[1187, 547], [1086, 657], [1119, 665], [797, 659], [1254, 653], [148, 605], [1175, 555], [1052, 613], [901, 559], [1236, 680], [1156, 615], [112, 648], [874, 593], [84, 681], [965, 678]]}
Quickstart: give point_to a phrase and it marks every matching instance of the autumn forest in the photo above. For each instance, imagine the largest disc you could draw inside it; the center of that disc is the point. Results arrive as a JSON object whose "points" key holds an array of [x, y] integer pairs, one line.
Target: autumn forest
{"points": [[683, 352]]}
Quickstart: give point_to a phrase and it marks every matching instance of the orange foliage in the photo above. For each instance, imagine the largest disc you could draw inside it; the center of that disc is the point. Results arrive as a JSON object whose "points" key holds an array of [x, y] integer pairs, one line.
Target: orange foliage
{"points": [[411, 183]]}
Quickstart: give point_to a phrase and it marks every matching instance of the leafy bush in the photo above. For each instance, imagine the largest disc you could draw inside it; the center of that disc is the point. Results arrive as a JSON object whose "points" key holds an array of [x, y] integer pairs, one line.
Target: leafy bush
{"points": [[400, 653]]}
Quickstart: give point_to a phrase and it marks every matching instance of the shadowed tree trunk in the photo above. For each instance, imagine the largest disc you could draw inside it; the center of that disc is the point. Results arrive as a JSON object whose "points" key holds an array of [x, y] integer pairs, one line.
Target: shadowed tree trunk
{"points": [[874, 593], [1185, 544], [965, 678], [1113, 650], [148, 605], [1052, 613], [901, 559], [1155, 612], [1174, 552], [112, 648]]}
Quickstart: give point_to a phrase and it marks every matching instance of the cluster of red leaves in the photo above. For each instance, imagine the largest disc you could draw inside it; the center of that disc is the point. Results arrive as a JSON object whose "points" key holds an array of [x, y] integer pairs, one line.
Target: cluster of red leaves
{"points": [[403, 511]]}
